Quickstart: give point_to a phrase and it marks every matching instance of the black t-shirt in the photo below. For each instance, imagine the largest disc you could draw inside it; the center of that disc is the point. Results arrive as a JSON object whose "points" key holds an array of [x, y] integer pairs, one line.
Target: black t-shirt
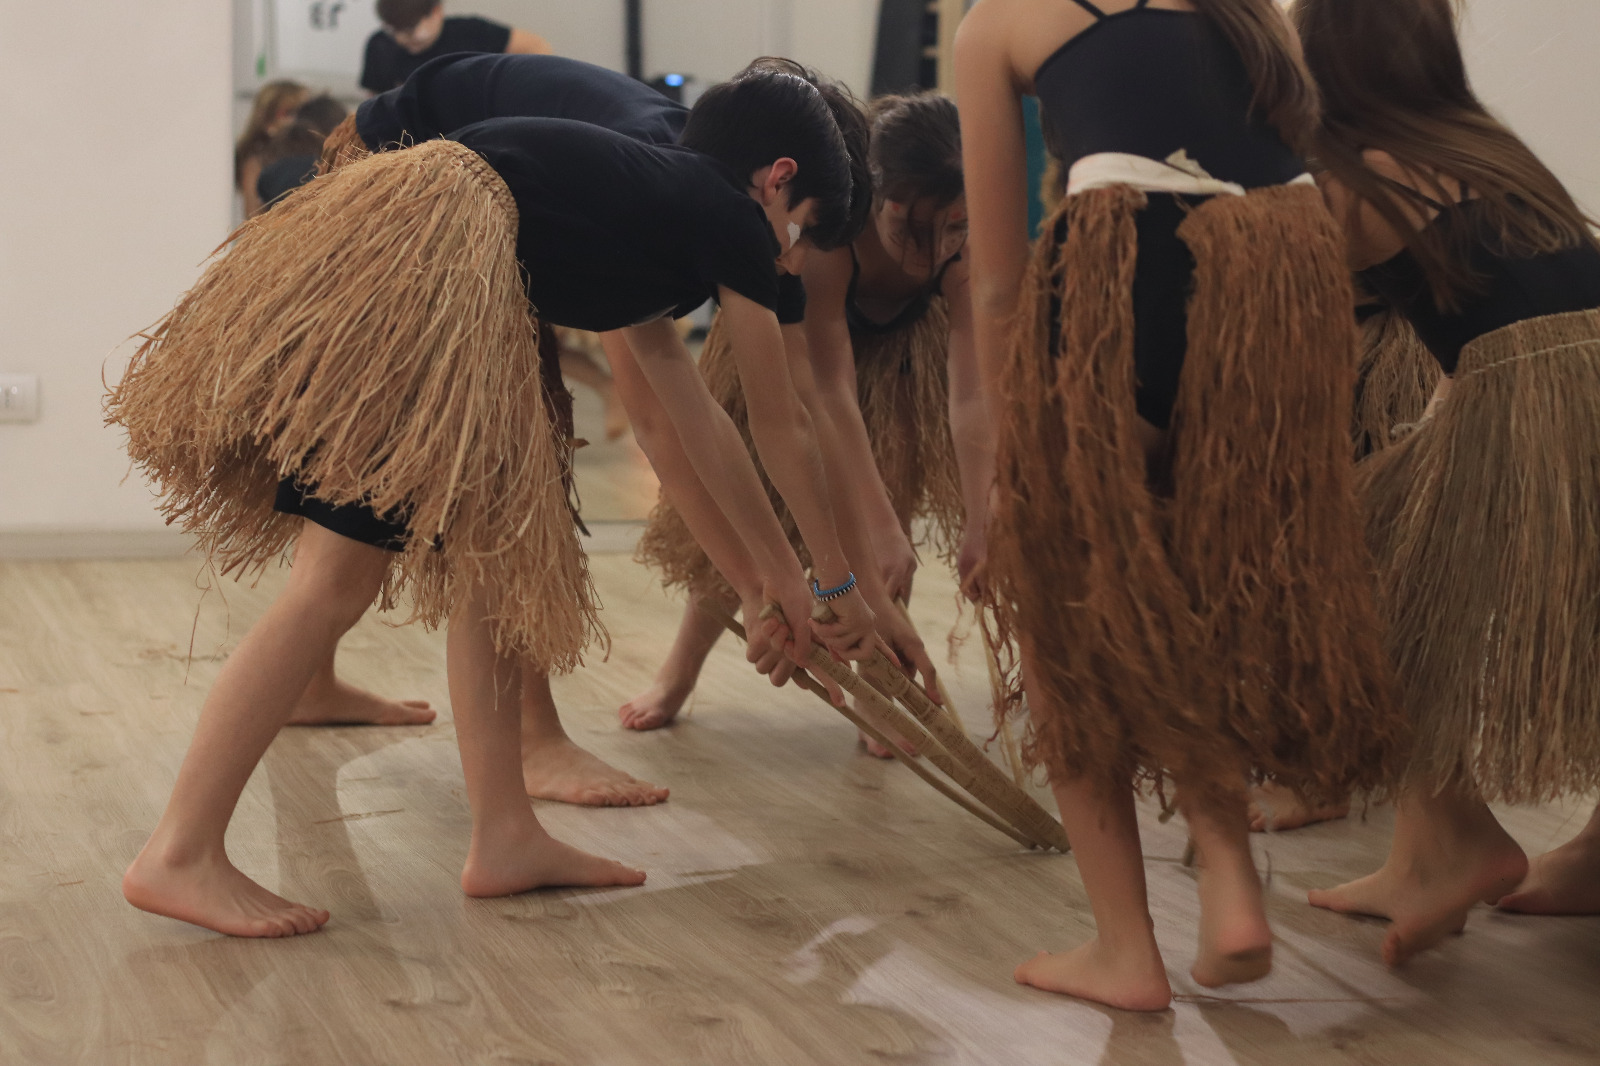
{"points": [[613, 232], [386, 65], [453, 91]]}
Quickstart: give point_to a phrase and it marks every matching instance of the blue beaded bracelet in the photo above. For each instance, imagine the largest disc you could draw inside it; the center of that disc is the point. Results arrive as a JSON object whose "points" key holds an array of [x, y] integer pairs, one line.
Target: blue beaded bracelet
{"points": [[824, 595]]}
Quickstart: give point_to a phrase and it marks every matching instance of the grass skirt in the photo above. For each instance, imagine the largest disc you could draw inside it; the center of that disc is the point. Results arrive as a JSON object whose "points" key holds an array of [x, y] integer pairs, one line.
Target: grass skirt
{"points": [[1395, 377], [1222, 626], [902, 385], [371, 336], [1485, 522]]}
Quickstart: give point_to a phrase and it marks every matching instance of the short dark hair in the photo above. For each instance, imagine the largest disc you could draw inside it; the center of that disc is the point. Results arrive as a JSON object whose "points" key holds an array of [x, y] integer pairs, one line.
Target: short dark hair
{"points": [[403, 15], [850, 114], [321, 113], [766, 113]]}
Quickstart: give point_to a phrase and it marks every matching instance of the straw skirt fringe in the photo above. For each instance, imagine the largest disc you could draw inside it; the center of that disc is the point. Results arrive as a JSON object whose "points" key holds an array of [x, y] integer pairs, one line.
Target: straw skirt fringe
{"points": [[1395, 377], [371, 337], [903, 389], [1485, 522], [1214, 621]]}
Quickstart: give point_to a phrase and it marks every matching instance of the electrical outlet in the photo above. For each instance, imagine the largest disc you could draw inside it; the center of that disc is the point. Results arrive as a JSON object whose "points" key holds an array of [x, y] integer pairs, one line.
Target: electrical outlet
{"points": [[19, 397]]}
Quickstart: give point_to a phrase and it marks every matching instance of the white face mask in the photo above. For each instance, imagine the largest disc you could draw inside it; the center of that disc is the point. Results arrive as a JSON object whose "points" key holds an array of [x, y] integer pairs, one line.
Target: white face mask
{"points": [[794, 234]]}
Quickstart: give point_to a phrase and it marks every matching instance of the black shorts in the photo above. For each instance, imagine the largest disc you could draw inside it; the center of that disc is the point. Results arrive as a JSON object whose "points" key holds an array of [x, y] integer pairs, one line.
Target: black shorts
{"points": [[1162, 283], [354, 520]]}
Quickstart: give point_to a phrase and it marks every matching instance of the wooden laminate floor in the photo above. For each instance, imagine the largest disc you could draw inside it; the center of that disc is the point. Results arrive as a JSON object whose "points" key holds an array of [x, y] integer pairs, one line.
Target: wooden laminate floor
{"points": [[806, 904]]}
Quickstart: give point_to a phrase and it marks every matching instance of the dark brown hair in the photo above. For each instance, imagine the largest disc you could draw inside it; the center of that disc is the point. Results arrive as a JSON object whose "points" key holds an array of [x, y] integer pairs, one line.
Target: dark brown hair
{"points": [[916, 148], [1285, 95], [1392, 79], [402, 15], [851, 117]]}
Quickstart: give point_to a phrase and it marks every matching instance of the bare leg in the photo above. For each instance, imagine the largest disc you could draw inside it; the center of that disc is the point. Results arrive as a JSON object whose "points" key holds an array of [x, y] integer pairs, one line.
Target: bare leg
{"points": [[1563, 881], [1448, 853], [1275, 808], [659, 704], [578, 365], [510, 851], [183, 871], [330, 701], [1235, 940], [555, 768], [1121, 966]]}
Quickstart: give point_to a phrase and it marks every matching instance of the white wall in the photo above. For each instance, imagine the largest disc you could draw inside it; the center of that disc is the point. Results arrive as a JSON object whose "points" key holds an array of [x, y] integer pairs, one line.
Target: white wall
{"points": [[1537, 66], [710, 39], [116, 186]]}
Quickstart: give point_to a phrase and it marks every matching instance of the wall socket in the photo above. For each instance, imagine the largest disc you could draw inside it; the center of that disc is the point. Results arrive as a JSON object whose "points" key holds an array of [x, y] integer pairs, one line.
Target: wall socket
{"points": [[19, 397]]}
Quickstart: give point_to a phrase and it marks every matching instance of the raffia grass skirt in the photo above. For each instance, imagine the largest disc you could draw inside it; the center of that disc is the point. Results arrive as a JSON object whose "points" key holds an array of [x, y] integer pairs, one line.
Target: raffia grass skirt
{"points": [[1395, 378], [1215, 620], [371, 337], [903, 387], [1485, 522]]}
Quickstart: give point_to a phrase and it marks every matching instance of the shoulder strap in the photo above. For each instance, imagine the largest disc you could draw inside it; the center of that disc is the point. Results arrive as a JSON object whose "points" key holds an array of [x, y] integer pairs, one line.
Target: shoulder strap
{"points": [[1095, 11]]}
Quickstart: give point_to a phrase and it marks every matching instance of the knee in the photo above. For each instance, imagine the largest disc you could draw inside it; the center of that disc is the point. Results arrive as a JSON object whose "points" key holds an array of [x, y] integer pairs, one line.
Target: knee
{"points": [[338, 592]]}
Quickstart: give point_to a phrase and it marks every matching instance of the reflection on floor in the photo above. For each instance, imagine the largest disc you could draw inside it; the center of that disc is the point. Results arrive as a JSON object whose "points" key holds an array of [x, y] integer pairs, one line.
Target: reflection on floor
{"points": [[806, 904]]}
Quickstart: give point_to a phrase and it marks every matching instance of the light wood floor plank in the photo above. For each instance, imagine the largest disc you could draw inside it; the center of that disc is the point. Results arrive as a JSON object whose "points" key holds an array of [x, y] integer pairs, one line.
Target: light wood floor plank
{"points": [[806, 904]]}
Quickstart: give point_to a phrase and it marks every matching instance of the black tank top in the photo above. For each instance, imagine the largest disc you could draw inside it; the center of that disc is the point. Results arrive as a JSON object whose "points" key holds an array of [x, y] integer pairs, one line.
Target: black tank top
{"points": [[1513, 288], [1149, 82], [908, 315]]}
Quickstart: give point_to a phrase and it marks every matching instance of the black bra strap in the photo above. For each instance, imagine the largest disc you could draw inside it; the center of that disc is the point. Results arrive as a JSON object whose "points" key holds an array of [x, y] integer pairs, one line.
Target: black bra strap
{"points": [[1095, 11]]}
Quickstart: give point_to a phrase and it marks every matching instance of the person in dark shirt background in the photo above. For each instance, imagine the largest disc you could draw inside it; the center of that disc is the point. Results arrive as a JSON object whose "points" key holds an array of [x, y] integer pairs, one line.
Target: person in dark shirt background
{"points": [[415, 31]]}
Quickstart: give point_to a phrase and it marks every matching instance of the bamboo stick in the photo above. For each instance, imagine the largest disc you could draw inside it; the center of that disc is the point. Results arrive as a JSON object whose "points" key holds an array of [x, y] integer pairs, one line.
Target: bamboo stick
{"points": [[872, 729]]}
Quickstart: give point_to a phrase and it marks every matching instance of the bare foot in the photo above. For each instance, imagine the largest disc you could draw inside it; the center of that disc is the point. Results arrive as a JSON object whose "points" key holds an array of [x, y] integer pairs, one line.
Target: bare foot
{"points": [[1275, 808], [560, 770], [340, 703], [1563, 881], [1128, 981], [655, 707], [530, 858], [1427, 891], [212, 893], [1235, 940]]}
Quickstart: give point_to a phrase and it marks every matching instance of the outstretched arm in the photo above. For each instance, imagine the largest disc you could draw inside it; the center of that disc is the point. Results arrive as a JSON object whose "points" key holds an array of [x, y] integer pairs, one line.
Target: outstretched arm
{"points": [[971, 430], [994, 157], [719, 460], [722, 544], [833, 364], [785, 436], [843, 465]]}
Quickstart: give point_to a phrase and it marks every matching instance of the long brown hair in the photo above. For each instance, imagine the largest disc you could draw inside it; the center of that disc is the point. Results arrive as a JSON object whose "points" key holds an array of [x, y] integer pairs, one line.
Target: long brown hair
{"points": [[271, 100], [916, 155], [1392, 79], [1285, 94]]}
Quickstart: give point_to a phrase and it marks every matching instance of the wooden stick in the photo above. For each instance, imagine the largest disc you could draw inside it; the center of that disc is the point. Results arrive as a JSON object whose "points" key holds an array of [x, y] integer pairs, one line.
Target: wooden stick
{"points": [[955, 754], [873, 730]]}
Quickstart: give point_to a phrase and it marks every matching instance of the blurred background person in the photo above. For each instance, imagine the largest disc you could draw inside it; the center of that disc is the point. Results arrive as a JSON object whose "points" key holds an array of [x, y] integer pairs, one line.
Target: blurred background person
{"points": [[274, 108], [415, 31]]}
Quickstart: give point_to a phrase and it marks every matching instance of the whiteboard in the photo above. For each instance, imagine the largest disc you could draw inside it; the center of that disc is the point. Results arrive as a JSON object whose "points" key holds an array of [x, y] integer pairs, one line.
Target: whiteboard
{"points": [[325, 37]]}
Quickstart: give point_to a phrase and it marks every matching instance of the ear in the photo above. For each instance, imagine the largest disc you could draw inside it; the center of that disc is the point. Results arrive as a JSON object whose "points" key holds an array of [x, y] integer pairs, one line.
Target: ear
{"points": [[781, 173]]}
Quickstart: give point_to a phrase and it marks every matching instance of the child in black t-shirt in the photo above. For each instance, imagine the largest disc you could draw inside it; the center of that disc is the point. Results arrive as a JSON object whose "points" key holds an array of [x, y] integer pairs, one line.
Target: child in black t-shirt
{"points": [[387, 363], [415, 31]]}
